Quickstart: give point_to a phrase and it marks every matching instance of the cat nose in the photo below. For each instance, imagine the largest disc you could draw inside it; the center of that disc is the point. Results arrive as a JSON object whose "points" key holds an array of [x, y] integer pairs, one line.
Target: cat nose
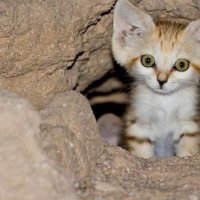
{"points": [[161, 78], [161, 82]]}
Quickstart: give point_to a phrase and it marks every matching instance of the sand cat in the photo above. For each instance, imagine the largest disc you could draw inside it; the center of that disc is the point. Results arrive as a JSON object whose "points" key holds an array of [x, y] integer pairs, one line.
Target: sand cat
{"points": [[164, 59]]}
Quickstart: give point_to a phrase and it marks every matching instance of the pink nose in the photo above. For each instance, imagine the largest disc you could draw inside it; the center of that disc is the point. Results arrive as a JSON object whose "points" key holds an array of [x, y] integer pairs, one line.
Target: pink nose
{"points": [[162, 78]]}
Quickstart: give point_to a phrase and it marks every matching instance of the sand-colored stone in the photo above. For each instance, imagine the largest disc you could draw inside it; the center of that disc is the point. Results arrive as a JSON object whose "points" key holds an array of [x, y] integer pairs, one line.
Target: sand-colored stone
{"points": [[69, 136], [48, 49], [25, 172], [69, 133]]}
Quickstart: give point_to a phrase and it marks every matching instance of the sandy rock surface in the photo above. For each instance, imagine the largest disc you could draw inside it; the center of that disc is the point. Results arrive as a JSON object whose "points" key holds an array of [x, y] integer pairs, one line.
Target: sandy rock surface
{"points": [[68, 136], [179, 9], [53, 46], [69, 133], [48, 49], [102, 171], [123, 176], [25, 172]]}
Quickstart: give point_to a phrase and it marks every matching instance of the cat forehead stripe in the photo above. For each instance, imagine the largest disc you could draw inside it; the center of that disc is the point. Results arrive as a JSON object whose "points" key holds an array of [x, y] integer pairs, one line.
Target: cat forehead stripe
{"points": [[167, 33]]}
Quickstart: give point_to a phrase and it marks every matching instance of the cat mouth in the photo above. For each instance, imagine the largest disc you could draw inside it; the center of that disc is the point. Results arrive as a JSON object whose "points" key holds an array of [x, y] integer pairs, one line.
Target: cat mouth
{"points": [[161, 91]]}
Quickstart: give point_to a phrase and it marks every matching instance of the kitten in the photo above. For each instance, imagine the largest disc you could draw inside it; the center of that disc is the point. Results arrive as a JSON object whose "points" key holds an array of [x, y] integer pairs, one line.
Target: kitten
{"points": [[164, 59]]}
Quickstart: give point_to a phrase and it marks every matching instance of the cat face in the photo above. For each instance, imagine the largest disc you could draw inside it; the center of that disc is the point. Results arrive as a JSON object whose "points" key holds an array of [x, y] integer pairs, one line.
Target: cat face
{"points": [[163, 63], [163, 55]]}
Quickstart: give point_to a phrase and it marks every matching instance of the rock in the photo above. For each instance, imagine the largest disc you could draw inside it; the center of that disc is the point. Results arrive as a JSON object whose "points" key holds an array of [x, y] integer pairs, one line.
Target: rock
{"points": [[25, 172], [180, 9], [48, 49], [99, 171], [51, 46], [70, 135], [103, 171], [120, 175]]}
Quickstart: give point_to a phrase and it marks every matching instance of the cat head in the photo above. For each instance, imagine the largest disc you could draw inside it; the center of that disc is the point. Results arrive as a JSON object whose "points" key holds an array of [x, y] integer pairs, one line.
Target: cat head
{"points": [[165, 56]]}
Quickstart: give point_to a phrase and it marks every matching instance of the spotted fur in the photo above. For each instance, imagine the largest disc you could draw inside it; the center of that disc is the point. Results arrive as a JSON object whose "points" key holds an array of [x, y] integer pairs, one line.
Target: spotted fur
{"points": [[163, 120]]}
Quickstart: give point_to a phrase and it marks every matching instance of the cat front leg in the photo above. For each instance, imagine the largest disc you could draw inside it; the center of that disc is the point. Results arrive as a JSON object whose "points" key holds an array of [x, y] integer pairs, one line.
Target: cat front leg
{"points": [[188, 139], [138, 142], [188, 144]]}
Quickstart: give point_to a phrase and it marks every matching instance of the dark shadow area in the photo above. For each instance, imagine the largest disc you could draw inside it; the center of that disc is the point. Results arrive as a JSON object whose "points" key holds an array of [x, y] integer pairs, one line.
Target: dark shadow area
{"points": [[123, 75], [99, 82], [119, 74], [100, 109]]}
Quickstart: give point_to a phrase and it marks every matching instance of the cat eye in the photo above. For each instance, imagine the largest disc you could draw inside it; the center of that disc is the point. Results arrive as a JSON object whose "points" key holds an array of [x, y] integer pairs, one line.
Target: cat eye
{"points": [[147, 60], [181, 65]]}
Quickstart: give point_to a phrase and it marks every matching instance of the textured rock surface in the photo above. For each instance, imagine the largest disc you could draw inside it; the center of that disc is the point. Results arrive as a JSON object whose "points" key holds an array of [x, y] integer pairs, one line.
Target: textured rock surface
{"points": [[183, 9], [47, 45], [69, 136], [102, 171], [123, 176], [52, 46], [25, 172], [69, 133]]}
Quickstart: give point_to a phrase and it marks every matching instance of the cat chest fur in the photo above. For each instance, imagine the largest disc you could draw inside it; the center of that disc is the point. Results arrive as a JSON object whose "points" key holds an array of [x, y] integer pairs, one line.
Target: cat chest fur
{"points": [[160, 115], [162, 118]]}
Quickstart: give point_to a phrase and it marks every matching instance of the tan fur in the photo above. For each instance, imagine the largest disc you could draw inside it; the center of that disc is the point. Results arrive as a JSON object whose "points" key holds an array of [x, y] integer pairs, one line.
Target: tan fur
{"points": [[168, 33], [196, 67], [162, 76], [132, 62], [158, 111], [188, 145]]}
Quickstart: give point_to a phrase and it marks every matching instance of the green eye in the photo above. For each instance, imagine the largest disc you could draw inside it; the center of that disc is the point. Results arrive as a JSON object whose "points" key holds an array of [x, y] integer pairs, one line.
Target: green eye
{"points": [[147, 60], [182, 65]]}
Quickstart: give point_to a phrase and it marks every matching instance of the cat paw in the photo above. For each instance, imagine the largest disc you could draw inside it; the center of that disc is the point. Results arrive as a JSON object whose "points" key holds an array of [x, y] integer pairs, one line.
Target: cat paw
{"points": [[186, 154]]}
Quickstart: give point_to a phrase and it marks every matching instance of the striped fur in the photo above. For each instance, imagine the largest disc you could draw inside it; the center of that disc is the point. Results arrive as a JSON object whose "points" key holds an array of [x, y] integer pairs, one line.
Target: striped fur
{"points": [[161, 120], [168, 33]]}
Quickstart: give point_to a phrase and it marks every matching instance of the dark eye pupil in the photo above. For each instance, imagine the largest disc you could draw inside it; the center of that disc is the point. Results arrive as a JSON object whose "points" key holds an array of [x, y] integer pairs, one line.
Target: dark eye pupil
{"points": [[148, 60], [182, 64]]}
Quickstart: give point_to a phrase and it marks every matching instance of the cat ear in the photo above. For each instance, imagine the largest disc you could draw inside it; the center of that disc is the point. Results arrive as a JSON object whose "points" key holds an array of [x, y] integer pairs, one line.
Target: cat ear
{"points": [[193, 31], [129, 23]]}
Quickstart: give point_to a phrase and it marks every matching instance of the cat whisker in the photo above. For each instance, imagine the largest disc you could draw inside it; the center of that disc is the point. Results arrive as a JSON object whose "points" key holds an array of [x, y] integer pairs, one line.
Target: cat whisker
{"points": [[184, 94]]}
